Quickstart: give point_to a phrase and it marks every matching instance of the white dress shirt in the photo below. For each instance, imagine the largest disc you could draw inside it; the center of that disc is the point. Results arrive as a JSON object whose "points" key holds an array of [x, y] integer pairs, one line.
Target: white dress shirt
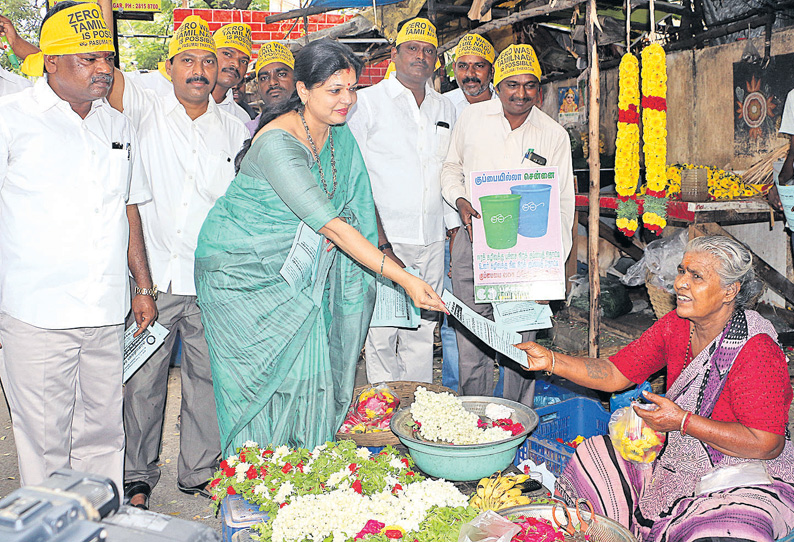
{"points": [[154, 80], [483, 140], [190, 164], [404, 147], [65, 183], [459, 100], [232, 107], [11, 83]]}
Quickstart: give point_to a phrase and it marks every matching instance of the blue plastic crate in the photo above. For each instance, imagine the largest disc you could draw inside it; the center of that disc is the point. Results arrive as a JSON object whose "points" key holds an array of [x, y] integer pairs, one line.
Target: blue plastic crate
{"points": [[566, 420], [547, 394], [237, 515]]}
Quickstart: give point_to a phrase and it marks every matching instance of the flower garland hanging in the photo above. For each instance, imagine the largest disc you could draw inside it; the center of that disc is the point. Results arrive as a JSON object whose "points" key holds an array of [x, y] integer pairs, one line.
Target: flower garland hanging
{"points": [[654, 126], [627, 143]]}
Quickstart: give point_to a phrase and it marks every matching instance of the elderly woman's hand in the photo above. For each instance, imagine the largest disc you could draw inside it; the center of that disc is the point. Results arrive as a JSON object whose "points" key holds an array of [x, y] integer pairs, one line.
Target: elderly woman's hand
{"points": [[664, 419], [538, 358]]}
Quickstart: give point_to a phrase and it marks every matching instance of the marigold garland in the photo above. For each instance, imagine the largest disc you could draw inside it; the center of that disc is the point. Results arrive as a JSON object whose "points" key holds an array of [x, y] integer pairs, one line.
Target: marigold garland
{"points": [[654, 124], [627, 144]]}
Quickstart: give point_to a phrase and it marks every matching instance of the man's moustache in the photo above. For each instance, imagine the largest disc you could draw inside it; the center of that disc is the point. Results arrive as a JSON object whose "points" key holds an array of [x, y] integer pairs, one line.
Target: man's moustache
{"points": [[198, 79], [233, 71], [102, 79], [472, 80]]}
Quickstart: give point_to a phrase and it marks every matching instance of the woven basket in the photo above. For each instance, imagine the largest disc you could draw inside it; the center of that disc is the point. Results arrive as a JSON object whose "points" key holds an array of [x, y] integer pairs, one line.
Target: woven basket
{"points": [[662, 301], [405, 390], [694, 185]]}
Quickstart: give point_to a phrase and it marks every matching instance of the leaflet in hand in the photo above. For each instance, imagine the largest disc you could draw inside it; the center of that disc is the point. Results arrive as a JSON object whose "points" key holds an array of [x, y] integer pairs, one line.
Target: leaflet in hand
{"points": [[300, 263], [139, 349], [491, 333], [522, 315], [393, 306]]}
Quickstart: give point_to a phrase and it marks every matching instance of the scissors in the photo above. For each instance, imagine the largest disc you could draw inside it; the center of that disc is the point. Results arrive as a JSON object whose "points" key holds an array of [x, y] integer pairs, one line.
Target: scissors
{"points": [[575, 534]]}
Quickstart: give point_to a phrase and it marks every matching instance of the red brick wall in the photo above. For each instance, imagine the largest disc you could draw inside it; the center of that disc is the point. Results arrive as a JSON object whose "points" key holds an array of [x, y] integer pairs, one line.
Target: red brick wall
{"points": [[276, 31]]}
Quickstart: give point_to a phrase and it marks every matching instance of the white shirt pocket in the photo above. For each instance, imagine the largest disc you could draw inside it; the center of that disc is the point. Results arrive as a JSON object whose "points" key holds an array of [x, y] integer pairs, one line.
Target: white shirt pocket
{"points": [[220, 172]]}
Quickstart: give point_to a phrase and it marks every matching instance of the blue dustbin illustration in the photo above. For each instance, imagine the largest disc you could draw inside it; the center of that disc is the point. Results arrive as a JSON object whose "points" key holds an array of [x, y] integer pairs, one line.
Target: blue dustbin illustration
{"points": [[533, 214]]}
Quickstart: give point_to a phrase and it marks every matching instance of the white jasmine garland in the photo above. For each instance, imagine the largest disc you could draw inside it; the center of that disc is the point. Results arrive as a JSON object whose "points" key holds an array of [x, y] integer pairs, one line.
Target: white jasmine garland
{"points": [[343, 513], [444, 419], [363, 453], [395, 463]]}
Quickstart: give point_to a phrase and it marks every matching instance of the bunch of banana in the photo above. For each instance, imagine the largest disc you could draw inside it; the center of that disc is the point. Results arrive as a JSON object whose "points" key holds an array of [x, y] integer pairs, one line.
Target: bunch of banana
{"points": [[498, 492]]}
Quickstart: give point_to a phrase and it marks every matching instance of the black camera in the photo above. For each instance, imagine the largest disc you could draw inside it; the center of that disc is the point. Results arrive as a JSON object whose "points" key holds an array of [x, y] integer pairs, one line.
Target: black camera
{"points": [[72, 506]]}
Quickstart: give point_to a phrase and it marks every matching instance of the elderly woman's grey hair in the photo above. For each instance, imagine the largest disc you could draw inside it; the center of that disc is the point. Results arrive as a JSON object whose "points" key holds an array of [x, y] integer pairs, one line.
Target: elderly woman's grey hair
{"points": [[736, 265]]}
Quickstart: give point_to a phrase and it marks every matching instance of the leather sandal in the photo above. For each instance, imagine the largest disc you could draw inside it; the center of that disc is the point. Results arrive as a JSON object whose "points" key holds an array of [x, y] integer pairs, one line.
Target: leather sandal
{"points": [[200, 489], [133, 489]]}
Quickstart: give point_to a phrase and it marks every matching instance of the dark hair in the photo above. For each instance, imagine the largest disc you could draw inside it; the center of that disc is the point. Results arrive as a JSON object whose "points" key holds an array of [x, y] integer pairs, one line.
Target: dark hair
{"points": [[314, 64], [60, 6]]}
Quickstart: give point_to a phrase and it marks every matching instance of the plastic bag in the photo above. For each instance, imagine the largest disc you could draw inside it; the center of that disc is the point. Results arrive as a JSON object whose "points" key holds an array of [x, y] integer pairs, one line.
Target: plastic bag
{"points": [[620, 400], [488, 527], [371, 411], [632, 438], [748, 473], [661, 259]]}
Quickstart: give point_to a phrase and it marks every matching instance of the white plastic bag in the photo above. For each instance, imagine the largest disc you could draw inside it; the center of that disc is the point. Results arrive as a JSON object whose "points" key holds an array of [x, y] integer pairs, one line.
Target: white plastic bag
{"points": [[488, 527]]}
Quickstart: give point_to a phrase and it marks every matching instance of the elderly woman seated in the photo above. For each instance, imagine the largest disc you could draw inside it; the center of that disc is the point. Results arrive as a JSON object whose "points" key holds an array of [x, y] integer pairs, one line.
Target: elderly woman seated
{"points": [[726, 409]]}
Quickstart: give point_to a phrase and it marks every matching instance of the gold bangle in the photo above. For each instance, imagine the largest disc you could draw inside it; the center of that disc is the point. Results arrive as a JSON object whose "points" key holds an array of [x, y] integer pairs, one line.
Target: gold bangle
{"points": [[553, 362], [383, 261]]}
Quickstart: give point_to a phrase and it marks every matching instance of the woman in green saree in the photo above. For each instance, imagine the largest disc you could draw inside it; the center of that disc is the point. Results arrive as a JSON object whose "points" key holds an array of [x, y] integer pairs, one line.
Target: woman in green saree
{"points": [[283, 354]]}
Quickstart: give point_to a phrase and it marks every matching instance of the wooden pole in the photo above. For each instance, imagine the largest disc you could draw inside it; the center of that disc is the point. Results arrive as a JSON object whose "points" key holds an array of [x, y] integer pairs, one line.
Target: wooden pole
{"points": [[593, 103]]}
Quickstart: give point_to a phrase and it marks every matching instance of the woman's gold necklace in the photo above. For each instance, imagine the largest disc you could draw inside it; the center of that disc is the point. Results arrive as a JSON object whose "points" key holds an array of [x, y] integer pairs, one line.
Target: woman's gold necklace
{"points": [[317, 156]]}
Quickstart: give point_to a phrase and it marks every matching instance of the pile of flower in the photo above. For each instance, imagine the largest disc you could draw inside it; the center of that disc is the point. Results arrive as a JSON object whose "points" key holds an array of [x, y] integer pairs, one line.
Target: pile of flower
{"points": [[722, 184], [441, 417], [345, 514], [274, 477], [536, 530], [339, 493], [372, 411]]}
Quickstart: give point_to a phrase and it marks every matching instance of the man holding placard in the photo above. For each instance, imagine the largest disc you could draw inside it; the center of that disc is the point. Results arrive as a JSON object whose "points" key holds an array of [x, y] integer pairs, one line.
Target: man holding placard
{"points": [[499, 135]]}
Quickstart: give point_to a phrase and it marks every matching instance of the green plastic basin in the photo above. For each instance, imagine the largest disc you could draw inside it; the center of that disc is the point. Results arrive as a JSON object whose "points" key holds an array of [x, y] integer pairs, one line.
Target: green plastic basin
{"points": [[465, 462]]}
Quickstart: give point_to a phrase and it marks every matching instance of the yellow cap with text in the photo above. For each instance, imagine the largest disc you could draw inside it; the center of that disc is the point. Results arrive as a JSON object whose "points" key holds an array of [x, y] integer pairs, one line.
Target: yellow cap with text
{"points": [[193, 33], [235, 35], [474, 44], [418, 29], [73, 30], [516, 60], [273, 51]]}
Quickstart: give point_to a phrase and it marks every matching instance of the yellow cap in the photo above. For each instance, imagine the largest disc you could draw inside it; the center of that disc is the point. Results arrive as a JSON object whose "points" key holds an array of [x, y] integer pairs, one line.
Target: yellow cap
{"points": [[235, 35], [390, 69], [273, 51], [418, 29], [474, 44], [73, 30], [516, 60], [193, 33]]}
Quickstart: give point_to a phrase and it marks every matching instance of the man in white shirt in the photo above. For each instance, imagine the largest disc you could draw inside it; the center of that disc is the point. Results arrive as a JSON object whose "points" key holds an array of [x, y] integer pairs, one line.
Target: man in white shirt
{"points": [[403, 127], [70, 182], [274, 77], [497, 135], [473, 68], [189, 147], [233, 43]]}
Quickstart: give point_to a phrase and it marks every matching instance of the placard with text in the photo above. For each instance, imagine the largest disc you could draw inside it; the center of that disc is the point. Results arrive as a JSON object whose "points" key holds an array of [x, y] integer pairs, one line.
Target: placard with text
{"points": [[517, 248]]}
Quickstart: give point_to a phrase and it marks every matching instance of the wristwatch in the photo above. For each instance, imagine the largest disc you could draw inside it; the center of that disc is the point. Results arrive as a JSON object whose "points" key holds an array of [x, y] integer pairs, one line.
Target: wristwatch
{"points": [[384, 246], [147, 291]]}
